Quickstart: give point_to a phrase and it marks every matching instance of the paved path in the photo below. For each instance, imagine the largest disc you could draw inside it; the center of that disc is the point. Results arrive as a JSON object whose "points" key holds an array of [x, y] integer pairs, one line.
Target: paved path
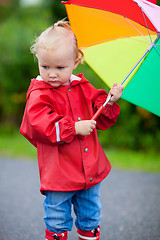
{"points": [[131, 204]]}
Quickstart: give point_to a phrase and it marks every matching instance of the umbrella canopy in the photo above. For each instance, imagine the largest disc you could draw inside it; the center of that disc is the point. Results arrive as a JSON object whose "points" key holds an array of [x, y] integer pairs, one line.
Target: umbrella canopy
{"points": [[120, 40]]}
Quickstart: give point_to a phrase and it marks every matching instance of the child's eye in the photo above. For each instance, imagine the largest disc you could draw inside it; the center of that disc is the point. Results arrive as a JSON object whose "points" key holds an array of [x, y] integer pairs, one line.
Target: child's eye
{"points": [[45, 67], [60, 68]]}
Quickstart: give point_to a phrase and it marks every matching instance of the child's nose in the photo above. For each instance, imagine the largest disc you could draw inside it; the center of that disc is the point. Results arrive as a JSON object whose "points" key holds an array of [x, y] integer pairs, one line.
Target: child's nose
{"points": [[52, 74]]}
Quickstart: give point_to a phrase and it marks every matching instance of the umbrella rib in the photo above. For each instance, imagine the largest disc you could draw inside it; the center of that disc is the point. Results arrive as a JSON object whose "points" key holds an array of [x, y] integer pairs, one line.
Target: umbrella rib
{"points": [[146, 24], [137, 29], [156, 49], [156, 45]]}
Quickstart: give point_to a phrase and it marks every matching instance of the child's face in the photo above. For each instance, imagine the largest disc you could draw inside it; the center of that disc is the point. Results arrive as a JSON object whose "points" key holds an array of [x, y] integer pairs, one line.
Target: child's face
{"points": [[56, 66]]}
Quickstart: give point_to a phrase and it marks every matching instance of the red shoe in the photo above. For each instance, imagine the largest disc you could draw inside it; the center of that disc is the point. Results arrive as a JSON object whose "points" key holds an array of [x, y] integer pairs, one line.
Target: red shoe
{"points": [[58, 236], [89, 235]]}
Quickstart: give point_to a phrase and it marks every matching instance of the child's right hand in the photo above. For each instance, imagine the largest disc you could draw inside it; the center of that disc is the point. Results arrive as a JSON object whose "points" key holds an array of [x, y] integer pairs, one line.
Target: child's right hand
{"points": [[85, 127]]}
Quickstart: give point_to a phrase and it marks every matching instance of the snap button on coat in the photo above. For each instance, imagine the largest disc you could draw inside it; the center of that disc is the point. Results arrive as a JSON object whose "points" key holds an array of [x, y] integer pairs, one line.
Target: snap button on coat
{"points": [[86, 150]]}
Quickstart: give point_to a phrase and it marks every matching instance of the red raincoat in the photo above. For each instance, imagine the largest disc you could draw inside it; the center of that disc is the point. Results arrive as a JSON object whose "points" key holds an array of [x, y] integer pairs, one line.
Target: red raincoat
{"points": [[67, 162]]}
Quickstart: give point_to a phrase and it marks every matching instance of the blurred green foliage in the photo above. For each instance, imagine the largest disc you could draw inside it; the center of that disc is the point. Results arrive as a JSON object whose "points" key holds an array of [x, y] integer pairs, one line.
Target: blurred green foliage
{"points": [[135, 128]]}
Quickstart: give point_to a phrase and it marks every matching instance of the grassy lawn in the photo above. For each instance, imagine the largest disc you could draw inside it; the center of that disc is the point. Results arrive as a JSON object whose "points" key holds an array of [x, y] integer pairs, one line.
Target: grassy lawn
{"points": [[134, 160], [17, 146]]}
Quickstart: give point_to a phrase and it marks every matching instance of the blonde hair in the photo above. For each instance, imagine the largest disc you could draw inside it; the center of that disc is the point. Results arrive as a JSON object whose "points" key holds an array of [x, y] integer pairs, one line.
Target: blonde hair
{"points": [[50, 39]]}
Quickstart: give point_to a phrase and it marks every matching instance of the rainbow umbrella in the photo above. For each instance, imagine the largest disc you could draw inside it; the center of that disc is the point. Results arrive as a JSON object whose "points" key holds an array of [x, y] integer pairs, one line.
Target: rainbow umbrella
{"points": [[120, 40]]}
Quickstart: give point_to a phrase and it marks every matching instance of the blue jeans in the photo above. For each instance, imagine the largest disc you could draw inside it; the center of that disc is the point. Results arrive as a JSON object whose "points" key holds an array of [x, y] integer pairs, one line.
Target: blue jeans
{"points": [[87, 208]]}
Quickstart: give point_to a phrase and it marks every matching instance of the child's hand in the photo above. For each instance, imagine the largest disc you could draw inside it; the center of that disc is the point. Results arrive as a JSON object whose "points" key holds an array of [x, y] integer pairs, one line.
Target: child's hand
{"points": [[115, 92], [85, 127]]}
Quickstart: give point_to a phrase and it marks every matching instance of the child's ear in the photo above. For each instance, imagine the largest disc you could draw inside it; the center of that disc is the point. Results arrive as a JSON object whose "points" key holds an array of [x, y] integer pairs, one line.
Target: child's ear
{"points": [[76, 62]]}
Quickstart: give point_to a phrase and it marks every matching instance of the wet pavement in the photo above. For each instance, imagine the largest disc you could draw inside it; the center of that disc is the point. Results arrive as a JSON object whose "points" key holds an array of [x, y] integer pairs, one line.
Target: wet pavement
{"points": [[130, 200]]}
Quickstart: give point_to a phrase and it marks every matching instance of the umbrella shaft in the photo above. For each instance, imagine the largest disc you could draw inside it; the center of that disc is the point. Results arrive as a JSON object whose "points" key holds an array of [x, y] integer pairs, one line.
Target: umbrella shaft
{"points": [[135, 66], [147, 51]]}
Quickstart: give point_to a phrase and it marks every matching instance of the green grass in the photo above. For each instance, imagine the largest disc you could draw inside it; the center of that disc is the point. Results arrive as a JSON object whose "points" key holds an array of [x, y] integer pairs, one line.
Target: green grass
{"points": [[134, 160], [16, 146]]}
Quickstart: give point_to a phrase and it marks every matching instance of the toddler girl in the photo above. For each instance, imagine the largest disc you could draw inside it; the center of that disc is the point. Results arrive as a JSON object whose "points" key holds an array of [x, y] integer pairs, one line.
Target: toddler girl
{"points": [[56, 119]]}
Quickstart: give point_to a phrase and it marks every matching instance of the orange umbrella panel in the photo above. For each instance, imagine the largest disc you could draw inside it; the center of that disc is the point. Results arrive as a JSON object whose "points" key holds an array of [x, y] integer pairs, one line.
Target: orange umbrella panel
{"points": [[92, 26]]}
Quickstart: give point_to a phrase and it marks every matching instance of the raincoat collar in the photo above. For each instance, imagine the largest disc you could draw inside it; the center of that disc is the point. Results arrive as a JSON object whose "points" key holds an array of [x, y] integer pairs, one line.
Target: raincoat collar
{"points": [[38, 83], [73, 77]]}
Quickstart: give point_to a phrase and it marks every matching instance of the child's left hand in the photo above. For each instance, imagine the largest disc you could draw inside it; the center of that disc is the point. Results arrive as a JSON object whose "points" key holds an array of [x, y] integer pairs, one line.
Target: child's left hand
{"points": [[116, 93]]}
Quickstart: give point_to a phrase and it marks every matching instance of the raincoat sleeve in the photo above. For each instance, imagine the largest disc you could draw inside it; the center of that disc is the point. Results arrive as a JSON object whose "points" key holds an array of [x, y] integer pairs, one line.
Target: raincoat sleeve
{"points": [[109, 115], [41, 123]]}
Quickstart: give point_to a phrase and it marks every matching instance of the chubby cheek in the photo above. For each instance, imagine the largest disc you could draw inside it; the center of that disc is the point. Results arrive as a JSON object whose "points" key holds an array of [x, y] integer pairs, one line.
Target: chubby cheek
{"points": [[66, 78], [42, 73]]}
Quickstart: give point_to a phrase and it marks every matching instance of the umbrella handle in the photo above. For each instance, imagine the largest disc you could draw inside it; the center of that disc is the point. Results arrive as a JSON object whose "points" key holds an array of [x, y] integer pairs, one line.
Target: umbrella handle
{"points": [[95, 116], [101, 108]]}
